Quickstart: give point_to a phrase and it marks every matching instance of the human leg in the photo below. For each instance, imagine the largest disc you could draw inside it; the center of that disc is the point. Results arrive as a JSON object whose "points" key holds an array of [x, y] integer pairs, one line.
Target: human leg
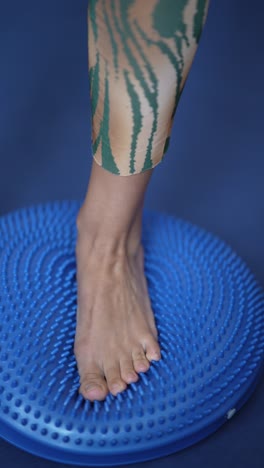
{"points": [[139, 61]]}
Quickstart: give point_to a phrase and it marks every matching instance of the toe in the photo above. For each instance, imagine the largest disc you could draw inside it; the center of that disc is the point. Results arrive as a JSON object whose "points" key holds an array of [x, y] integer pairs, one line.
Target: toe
{"points": [[93, 384], [113, 377], [152, 349], [127, 370], [141, 364]]}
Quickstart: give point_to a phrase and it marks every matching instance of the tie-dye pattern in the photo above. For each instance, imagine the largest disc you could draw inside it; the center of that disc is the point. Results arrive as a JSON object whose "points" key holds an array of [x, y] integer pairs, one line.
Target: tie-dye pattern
{"points": [[139, 53]]}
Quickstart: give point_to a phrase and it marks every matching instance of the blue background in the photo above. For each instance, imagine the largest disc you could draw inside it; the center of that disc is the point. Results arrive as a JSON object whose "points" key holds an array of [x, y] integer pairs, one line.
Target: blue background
{"points": [[213, 174]]}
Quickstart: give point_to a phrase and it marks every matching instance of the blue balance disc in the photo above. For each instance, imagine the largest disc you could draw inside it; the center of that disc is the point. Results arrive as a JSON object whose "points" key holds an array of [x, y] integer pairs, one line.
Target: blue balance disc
{"points": [[209, 312]]}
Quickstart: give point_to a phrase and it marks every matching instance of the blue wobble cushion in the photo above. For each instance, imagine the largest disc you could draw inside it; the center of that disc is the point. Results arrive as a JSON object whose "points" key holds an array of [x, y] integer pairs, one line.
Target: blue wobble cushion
{"points": [[209, 312]]}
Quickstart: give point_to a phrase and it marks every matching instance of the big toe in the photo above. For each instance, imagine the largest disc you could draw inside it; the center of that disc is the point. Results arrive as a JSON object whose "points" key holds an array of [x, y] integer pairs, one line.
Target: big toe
{"points": [[93, 386]]}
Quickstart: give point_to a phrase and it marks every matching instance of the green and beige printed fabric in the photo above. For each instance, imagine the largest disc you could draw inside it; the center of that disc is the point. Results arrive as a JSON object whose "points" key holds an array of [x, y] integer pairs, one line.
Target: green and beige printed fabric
{"points": [[139, 53]]}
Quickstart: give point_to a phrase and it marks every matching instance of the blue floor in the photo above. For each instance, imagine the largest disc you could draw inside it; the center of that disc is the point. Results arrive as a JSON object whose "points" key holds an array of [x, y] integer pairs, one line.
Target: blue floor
{"points": [[213, 174]]}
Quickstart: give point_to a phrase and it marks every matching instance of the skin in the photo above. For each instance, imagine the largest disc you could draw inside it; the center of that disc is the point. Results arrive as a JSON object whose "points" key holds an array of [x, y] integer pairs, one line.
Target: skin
{"points": [[116, 336], [140, 54]]}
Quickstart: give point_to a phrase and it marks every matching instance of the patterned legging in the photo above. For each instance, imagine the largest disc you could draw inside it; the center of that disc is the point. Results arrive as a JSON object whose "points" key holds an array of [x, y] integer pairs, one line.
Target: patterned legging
{"points": [[139, 53]]}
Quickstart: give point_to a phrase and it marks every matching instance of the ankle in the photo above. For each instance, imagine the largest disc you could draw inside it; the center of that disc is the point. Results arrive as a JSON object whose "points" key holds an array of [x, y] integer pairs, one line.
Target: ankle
{"points": [[103, 239]]}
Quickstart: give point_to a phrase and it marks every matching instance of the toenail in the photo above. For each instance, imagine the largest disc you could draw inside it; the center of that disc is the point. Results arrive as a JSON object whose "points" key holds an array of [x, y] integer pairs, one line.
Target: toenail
{"points": [[117, 388], [88, 388], [142, 366], [131, 376], [156, 356]]}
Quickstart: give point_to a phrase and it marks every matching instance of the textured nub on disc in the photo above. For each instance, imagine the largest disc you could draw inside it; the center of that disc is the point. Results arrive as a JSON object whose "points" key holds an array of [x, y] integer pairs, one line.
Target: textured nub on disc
{"points": [[208, 310]]}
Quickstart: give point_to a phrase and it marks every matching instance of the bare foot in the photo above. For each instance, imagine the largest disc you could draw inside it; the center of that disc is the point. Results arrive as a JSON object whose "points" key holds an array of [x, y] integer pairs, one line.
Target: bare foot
{"points": [[116, 336]]}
